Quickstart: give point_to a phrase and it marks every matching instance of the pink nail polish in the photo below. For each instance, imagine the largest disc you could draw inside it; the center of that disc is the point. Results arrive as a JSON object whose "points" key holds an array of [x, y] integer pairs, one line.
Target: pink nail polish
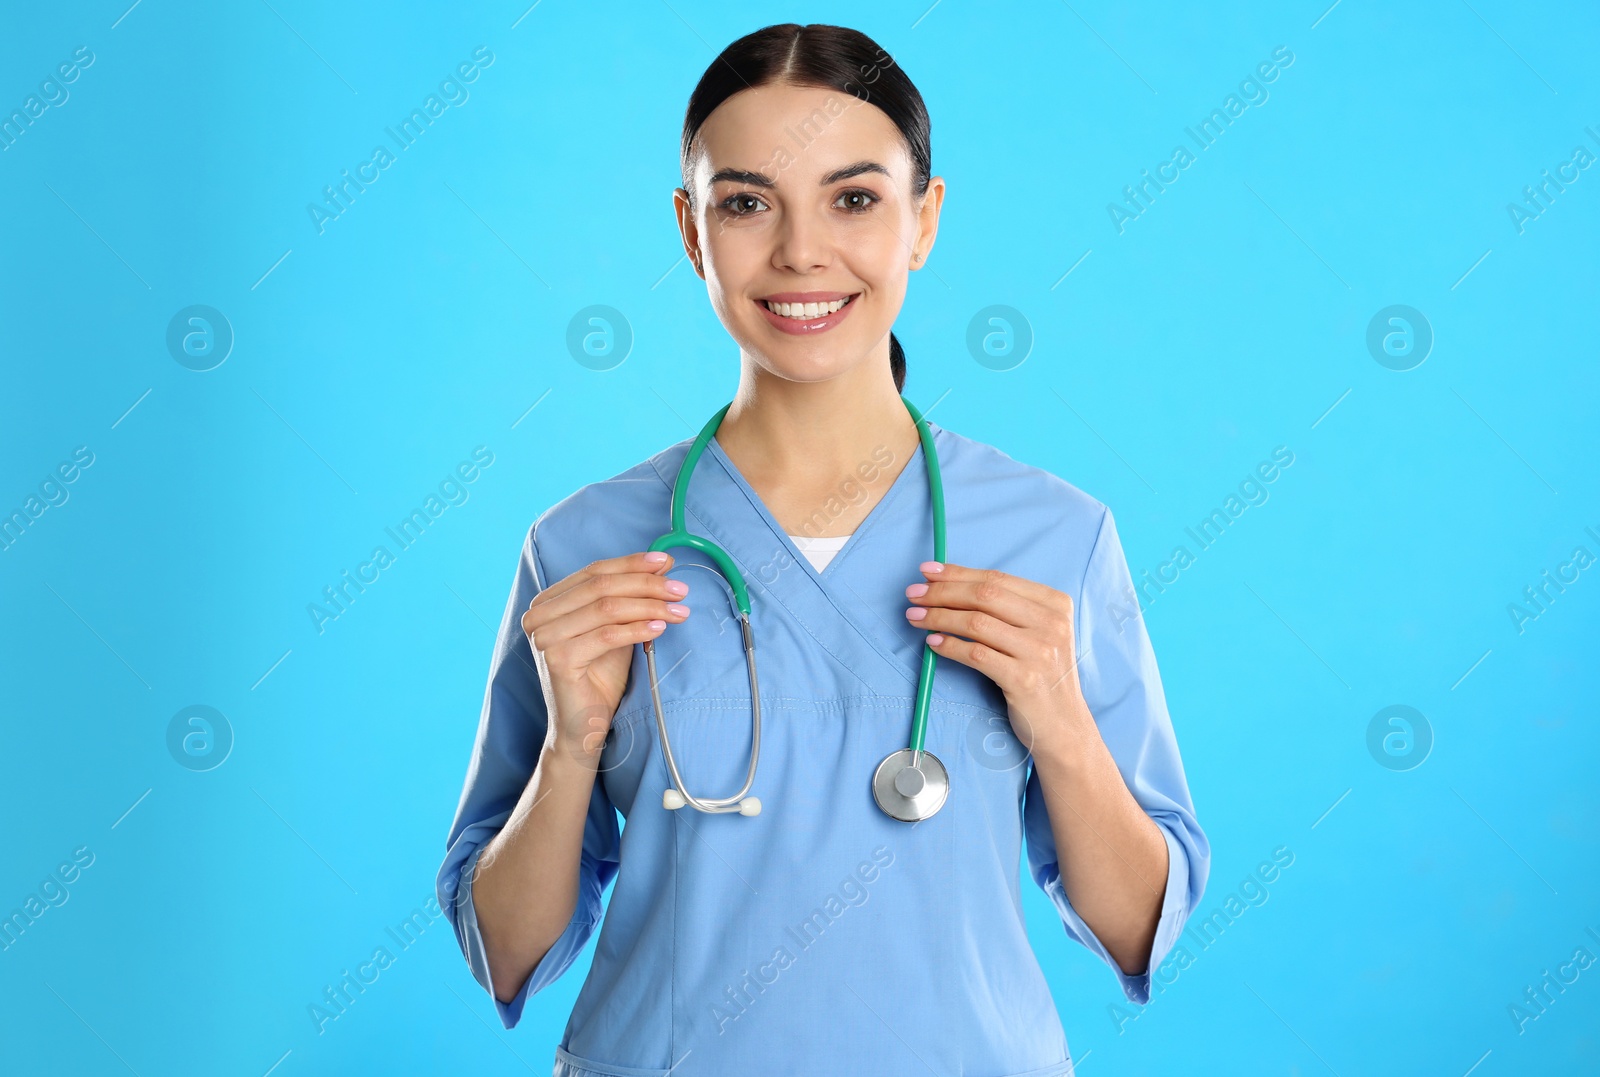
{"points": [[916, 613], [916, 590], [931, 566]]}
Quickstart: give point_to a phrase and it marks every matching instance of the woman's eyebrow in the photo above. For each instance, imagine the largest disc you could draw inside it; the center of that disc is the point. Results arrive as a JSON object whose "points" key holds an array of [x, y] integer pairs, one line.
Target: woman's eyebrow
{"points": [[759, 179], [741, 175], [851, 171]]}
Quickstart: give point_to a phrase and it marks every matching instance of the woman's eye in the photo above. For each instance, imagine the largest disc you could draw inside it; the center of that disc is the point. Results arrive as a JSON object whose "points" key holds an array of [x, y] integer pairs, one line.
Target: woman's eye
{"points": [[745, 204], [856, 201], [740, 205]]}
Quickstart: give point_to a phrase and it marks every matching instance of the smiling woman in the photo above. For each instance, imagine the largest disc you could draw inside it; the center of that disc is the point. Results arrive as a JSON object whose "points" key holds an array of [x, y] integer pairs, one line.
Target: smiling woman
{"points": [[807, 201], [886, 226]]}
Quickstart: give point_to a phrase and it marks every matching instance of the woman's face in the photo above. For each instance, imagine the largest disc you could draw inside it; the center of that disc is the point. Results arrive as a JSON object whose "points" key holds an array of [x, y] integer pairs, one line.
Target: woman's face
{"points": [[802, 202]]}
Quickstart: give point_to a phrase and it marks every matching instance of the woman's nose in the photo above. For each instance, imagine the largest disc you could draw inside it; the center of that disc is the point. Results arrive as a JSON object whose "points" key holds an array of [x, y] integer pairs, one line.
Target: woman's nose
{"points": [[802, 244]]}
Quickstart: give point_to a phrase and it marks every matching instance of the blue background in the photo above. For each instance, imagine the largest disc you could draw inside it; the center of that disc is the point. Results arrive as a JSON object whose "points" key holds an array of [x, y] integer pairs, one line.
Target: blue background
{"points": [[431, 317]]}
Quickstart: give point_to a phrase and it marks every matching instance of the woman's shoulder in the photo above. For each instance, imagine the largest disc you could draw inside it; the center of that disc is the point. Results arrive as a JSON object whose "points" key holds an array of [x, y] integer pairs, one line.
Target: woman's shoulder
{"points": [[998, 480], [612, 512], [1007, 513]]}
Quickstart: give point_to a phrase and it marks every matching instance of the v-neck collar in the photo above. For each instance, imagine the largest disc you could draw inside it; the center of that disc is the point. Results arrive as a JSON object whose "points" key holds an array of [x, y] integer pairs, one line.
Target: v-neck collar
{"points": [[917, 465], [859, 637]]}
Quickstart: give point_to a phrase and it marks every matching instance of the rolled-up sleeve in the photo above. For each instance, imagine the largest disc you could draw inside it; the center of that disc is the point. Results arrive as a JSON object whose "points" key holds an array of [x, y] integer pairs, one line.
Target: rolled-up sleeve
{"points": [[1121, 685], [511, 735]]}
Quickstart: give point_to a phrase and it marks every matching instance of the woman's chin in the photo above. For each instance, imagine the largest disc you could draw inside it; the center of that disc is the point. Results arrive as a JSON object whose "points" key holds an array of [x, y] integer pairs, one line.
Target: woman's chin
{"points": [[804, 365]]}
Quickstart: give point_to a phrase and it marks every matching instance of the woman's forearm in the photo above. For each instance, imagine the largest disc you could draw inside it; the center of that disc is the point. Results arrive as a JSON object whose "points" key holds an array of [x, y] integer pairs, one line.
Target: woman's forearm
{"points": [[525, 888], [1113, 858]]}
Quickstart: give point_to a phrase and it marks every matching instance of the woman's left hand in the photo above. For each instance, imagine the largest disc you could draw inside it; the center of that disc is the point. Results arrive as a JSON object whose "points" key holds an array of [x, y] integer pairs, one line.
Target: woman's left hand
{"points": [[1014, 631]]}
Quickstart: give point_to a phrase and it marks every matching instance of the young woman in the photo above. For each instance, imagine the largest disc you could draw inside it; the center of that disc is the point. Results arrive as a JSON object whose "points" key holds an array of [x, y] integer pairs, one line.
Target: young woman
{"points": [[854, 908]]}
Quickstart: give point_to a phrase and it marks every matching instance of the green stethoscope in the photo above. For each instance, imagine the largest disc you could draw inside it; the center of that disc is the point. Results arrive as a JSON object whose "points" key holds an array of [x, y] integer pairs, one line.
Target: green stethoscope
{"points": [[910, 784]]}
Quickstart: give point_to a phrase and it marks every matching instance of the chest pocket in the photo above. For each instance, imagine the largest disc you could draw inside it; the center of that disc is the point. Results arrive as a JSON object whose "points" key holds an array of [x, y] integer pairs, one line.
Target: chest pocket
{"points": [[979, 745], [964, 685]]}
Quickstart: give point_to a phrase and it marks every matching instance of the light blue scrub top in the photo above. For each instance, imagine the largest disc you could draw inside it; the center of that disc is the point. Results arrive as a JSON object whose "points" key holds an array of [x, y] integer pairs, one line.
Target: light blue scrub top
{"points": [[822, 936]]}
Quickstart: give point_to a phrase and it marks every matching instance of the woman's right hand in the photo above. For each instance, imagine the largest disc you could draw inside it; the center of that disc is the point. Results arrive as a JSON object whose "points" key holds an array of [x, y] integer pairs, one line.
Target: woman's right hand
{"points": [[582, 630]]}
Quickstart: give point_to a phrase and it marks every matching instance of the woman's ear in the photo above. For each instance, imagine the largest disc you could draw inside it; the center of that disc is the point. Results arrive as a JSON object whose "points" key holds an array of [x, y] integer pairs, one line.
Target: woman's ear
{"points": [[927, 222], [683, 208]]}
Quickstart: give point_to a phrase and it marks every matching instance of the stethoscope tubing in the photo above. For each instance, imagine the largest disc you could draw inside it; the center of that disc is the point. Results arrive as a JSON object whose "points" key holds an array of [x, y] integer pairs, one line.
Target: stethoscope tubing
{"points": [[679, 536], [717, 804], [930, 658]]}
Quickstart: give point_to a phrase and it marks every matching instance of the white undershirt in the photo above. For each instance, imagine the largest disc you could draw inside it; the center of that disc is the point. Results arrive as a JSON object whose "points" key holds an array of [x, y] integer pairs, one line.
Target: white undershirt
{"points": [[819, 551]]}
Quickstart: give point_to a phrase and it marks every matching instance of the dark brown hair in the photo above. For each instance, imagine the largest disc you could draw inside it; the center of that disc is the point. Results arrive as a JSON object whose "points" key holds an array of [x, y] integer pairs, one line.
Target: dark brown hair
{"points": [[833, 57]]}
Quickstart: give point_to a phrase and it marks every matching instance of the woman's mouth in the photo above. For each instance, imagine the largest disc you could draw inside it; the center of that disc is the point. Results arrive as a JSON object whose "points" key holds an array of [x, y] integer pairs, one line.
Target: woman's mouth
{"points": [[803, 314]]}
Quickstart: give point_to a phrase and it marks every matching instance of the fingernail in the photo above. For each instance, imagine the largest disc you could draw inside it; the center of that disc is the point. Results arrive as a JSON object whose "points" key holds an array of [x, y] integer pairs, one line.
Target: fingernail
{"points": [[934, 639], [678, 610], [931, 566], [916, 613], [916, 590], [677, 588], [656, 626], [655, 557]]}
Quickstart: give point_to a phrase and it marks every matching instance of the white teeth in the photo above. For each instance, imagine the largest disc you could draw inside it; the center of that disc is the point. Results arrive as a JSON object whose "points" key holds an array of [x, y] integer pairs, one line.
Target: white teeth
{"points": [[806, 310]]}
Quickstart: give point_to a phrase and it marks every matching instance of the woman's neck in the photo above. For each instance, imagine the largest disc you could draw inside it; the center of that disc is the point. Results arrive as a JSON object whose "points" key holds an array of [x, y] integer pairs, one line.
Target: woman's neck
{"points": [[819, 454]]}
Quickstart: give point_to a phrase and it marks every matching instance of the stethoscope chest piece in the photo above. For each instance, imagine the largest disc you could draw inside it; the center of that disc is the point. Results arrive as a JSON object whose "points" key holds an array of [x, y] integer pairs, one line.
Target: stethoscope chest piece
{"points": [[910, 785]]}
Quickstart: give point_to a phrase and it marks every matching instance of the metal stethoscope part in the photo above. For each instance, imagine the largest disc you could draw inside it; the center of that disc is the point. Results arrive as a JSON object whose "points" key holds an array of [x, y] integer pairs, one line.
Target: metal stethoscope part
{"points": [[679, 795], [910, 784]]}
